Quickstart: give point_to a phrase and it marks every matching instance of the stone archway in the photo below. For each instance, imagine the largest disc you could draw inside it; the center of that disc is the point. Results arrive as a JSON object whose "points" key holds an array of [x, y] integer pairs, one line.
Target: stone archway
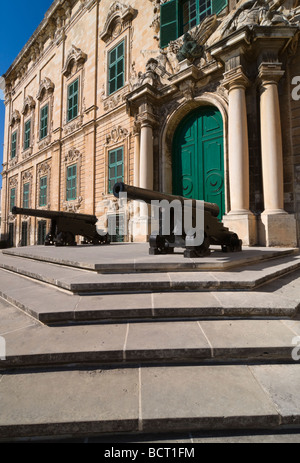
{"points": [[172, 122]]}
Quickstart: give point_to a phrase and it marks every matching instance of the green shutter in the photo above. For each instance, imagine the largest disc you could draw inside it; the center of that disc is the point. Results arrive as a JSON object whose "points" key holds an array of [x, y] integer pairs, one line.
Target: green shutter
{"points": [[73, 100], [27, 130], [115, 168], [169, 22], [218, 5], [26, 195], [72, 182], [14, 145], [116, 68], [44, 122]]}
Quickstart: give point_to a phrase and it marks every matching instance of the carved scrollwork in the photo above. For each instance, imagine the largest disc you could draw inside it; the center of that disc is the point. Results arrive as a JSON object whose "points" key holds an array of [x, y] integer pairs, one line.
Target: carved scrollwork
{"points": [[76, 58]]}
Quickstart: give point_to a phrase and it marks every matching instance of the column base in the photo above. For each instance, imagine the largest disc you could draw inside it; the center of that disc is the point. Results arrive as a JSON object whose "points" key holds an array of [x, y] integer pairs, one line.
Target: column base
{"points": [[244, 225], [277, 230]]}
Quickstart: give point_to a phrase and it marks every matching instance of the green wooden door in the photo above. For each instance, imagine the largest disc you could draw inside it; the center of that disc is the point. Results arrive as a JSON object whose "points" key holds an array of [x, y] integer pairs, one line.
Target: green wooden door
{"points": [[198, 158]]}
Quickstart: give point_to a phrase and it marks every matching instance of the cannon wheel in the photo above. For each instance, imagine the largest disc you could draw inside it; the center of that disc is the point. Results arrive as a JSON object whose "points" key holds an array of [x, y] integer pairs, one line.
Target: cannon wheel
{"points": [[65, 239], [199, 251]]}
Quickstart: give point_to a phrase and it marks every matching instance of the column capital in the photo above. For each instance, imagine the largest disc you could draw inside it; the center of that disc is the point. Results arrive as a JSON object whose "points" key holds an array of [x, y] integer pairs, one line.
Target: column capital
{"points": [[146, 119], [270, 73], [235, 78]]}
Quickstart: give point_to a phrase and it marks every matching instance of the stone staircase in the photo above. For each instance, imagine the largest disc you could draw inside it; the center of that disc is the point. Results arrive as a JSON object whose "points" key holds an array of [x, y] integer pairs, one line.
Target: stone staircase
{"points": [[110, 341]]}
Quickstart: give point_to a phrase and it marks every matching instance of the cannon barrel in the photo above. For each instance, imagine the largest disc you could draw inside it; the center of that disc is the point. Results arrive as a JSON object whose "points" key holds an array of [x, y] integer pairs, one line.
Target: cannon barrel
{"points": [[142, 194], [45, 214]]}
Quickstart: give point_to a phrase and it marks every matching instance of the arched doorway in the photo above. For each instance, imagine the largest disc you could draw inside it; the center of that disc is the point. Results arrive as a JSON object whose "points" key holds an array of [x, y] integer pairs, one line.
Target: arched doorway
{"points": [[198, 157]]}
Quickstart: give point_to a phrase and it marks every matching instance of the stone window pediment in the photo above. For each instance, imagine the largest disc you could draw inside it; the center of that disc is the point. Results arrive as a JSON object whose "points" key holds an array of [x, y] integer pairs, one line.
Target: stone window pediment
{"points": [[46, 89], [118, 17], [15, 118], [29, 105], [74, 62]]}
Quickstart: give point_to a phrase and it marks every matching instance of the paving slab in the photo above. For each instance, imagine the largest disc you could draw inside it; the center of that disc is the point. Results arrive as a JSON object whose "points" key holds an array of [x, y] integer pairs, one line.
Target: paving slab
{"points": [[63, 402], [249, 338], [281, 382], [203, 397]]}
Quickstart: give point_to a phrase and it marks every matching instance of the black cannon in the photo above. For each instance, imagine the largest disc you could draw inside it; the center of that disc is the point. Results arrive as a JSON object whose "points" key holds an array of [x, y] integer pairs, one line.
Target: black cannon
{"points": [[66, 225], [213, 233]]}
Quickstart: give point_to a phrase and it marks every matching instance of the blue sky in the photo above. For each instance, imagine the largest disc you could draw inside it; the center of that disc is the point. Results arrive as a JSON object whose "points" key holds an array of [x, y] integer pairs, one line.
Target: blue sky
{"points": [[16, 27]]}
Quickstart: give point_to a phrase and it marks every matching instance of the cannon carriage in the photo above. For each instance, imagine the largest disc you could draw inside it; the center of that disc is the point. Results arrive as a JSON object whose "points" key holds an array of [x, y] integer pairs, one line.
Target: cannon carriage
{"points": [[214, 232], [65, 226]]}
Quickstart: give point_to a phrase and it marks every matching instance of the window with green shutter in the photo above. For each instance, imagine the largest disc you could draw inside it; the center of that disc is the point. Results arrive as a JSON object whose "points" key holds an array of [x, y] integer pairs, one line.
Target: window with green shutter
{"points": [[26, 195], [27, 130], [13, 151], [44, 122], [179, 16], [72, 182], [115, 167], [12, 202], [43, 192], [116, 68], [73, 93]]}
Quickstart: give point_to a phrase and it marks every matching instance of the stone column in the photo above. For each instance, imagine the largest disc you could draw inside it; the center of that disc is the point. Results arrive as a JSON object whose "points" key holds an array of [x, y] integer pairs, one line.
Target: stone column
{"points": [[276, 227], [240, 219], [146, 156], [143, 174]]}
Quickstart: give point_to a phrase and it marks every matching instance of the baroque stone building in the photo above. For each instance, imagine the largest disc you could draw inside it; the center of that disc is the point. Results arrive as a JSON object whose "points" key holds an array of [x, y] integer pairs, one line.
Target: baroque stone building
{"points": [[192, 97]]}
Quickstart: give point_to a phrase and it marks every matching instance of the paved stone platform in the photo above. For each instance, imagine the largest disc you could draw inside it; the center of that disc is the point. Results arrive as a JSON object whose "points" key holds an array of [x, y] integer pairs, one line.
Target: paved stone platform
{"points": [[82, 281], [134, 257]]}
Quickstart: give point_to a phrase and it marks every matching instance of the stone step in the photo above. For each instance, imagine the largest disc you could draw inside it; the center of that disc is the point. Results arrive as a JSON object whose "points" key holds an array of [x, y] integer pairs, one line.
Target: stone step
{"points": [[145, 399], [48, 304], [134, 257], [29, 343], [84, 282]]}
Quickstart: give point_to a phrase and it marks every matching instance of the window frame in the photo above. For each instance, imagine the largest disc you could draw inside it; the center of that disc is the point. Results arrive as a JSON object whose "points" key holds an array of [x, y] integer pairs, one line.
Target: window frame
{"points": [[14, 144], [27, 135], [73, 116], [116, 178], [42, 118], [171, 13], [70, 187], [114, 64], [26, 195], [12, 198], [43, 191]]}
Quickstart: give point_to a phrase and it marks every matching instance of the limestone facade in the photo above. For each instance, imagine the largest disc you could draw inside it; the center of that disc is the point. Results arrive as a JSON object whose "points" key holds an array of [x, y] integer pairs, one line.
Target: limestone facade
{"points": [[95, 97]]}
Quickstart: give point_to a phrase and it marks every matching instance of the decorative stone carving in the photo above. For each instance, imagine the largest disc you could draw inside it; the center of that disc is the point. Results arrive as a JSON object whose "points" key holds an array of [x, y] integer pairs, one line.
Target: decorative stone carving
{"points": [[27, 176], [46, 89], [15, 118], [72, 156], [257, 12], [29, 105], [43, 169], [72, 126], [190, 49], [116, 135], [115, 100], [119, 16], [72, 206], [76, 58]]}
